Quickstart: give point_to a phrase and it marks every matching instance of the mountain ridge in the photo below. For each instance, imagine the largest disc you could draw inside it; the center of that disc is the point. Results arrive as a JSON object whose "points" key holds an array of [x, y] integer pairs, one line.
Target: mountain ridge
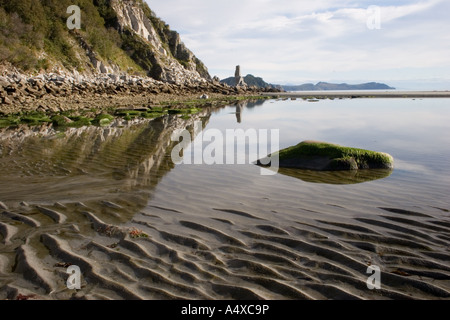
{"points": [[251, 80], [324, 86]]}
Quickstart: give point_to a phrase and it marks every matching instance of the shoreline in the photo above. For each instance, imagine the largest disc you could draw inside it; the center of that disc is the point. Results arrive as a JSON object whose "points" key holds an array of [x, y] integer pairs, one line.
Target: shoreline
{"points": [[53, 93], [361, 94], [60, 92]]}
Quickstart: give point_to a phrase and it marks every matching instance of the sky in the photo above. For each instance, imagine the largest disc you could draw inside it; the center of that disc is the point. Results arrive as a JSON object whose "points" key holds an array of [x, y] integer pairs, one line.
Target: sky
{"points": [[403, 43]]}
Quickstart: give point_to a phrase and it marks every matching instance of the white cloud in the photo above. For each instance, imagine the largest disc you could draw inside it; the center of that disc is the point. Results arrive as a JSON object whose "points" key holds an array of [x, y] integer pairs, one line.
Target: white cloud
{"points": [[291, 41]]}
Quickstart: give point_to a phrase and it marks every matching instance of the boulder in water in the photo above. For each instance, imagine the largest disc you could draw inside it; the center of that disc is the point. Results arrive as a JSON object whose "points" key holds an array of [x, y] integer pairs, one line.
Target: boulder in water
{"points": [[323, 156]]}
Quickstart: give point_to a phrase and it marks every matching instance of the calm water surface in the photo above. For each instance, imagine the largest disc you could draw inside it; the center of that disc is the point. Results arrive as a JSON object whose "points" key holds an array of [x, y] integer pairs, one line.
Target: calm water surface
{"points": [[226, 231], [414, 132]]}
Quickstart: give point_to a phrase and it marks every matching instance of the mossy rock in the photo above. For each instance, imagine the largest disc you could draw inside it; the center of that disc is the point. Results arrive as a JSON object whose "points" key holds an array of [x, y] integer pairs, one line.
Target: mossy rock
{"points": [[61, 121], [9, 121], [194, 110], [176, 111], [80, 121], [128, 112], [4, 123], [151, 115], [103, 120], [35, 118], [323, 156], [157, 110], [184, 111]]}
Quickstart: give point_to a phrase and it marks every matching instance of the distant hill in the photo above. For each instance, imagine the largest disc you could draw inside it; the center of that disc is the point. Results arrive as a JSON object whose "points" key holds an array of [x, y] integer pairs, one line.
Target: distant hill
{"points": [[334, 86], [251, 81]]}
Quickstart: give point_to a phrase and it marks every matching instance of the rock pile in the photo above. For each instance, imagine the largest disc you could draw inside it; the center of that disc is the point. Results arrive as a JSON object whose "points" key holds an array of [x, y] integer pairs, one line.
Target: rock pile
{"points": [[55, 92]]}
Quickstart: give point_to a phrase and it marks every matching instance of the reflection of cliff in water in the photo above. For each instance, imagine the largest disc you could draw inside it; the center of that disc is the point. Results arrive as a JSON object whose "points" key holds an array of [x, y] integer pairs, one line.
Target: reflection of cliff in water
{"points": [[119, 164]]}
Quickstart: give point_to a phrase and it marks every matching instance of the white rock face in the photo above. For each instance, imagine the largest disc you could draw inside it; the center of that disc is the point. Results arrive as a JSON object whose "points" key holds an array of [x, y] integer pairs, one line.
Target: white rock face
{"points": [[132, 16]]}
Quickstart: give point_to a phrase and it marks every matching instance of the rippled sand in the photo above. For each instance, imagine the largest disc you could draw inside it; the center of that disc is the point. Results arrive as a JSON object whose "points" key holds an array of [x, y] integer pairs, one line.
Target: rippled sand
{"points": [[225, 253], [134, 235]]}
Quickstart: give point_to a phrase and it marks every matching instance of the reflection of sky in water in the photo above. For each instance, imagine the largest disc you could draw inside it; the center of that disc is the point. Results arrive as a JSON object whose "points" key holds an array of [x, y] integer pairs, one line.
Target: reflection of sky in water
{"points": [[415, 132]]}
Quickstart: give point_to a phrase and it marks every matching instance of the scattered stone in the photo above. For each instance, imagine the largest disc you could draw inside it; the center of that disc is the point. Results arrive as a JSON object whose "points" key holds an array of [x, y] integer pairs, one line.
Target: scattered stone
{"points": [[111, 205], [59, 205], [3, 206], [6, 100], [55, 93]]}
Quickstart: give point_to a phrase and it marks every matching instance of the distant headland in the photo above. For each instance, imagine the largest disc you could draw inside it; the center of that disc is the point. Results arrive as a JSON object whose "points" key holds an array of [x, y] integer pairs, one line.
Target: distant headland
{"points": [[250, 80], [323, 86]]}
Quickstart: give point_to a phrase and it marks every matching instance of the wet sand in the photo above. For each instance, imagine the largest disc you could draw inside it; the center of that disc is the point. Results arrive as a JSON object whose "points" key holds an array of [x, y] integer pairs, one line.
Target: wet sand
{"points": [[221, 250], [104, 206]]}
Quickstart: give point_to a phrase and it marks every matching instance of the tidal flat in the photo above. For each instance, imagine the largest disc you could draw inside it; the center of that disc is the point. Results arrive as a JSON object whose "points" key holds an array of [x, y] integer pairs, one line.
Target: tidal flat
{"points": [[110, 200]]}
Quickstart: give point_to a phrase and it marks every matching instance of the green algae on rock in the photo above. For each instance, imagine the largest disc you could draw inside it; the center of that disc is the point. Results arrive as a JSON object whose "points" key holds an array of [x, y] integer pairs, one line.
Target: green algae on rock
{"points": [[323, 156]]}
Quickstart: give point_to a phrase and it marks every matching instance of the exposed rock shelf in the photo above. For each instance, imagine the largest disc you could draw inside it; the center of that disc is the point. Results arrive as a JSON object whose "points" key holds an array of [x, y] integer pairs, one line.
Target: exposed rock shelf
{"points": [[61, 92]]}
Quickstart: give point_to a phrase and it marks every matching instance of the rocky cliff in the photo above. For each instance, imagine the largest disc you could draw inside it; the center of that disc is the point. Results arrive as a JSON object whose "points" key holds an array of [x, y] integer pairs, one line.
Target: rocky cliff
{"points": [[116, 37], [172, 60]]}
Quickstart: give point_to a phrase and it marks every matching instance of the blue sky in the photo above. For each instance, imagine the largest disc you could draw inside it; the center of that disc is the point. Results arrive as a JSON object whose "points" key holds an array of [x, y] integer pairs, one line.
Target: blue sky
{"points": [[293, 42]]}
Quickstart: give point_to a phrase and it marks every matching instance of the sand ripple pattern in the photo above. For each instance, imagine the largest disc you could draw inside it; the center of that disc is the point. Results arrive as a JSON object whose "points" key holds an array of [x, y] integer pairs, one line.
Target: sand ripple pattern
{"points": [[230, 255], [113, 205]]}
